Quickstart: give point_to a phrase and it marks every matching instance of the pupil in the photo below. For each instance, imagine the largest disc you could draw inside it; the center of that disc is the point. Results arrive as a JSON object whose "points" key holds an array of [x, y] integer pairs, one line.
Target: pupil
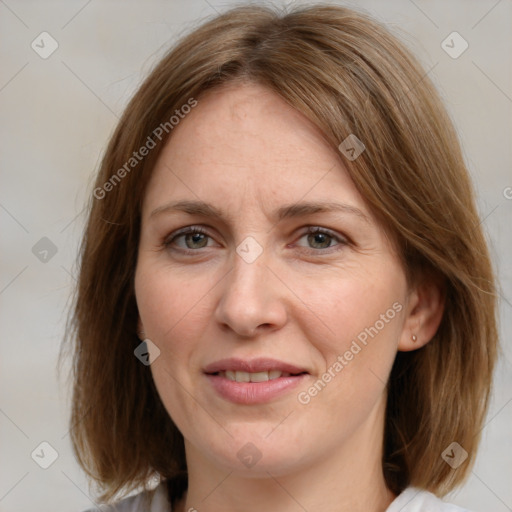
{"points": [[320, 239], [196, 238]]}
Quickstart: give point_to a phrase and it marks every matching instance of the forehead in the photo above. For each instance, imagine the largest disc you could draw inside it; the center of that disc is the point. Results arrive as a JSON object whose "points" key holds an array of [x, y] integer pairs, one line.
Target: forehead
{"points": [[243, 141]]}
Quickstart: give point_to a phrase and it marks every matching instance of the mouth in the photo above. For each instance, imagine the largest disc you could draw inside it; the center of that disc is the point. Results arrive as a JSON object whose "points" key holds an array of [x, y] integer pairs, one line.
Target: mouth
{"points": [[239, 376], [253, 366], [253, 381]]}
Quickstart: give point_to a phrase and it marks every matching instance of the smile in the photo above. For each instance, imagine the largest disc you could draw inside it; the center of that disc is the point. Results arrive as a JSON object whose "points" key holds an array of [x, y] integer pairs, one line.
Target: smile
{"points": [[253, 377]]}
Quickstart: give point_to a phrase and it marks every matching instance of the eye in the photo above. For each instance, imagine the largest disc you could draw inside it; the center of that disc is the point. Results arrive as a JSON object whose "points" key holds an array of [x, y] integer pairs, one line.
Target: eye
{"points": [[319, 238], [192, 238], [189, 238]]}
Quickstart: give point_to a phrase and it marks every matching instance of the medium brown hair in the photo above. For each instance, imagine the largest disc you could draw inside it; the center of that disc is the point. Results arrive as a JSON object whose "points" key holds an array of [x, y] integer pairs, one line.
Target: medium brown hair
{"points": [[348, 75]]}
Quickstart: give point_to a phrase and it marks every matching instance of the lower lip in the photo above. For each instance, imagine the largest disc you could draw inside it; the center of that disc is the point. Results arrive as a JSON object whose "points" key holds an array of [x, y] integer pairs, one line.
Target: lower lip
{"points": [[249, 393]]}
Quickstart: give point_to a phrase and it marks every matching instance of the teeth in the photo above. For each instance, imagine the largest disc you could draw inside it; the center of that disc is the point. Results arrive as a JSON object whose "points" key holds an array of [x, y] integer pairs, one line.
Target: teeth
{"points": [[258, 377], [229, 375], [253, 377], [242, 377]]}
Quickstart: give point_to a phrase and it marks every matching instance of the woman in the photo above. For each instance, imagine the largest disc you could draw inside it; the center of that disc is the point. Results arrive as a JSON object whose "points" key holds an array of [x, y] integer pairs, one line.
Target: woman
{"points": [[285, 299]]}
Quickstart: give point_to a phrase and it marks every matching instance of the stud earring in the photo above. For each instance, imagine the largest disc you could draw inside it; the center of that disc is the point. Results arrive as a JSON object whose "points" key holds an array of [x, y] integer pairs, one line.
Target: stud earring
{"points": [[414, 338]]}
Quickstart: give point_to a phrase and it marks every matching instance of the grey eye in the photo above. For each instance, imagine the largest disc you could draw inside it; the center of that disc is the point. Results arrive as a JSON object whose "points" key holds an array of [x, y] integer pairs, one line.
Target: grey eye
{"points": [[319, 240], [195, 240]]}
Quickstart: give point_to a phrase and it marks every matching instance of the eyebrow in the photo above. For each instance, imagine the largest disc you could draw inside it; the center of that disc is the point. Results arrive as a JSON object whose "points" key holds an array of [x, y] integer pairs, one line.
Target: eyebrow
{"points": [[285, 212]]}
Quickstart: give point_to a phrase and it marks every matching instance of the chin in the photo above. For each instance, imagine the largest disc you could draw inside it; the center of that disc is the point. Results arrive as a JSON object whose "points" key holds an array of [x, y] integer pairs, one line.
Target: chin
{"points": [[255, 456]]}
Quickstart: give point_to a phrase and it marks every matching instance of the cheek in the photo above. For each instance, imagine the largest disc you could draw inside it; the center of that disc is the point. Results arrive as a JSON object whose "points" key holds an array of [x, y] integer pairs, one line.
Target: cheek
{"points": [[356, 329], [349, 306], [358, 350], [173, 310], [172, 306]]}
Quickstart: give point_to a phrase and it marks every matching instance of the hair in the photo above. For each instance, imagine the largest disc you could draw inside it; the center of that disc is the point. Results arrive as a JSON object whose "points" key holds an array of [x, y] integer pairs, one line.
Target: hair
{"points": [[349, 75]]}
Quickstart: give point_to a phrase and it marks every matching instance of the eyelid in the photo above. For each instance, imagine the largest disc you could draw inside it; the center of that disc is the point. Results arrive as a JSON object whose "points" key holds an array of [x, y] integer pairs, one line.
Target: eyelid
{"points": [[339, 238], [327, 231], [185, 231]]}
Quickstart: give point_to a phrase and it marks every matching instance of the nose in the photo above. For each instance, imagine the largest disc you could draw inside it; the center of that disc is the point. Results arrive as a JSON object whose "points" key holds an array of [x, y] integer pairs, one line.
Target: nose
{"points": [[253, 299]]}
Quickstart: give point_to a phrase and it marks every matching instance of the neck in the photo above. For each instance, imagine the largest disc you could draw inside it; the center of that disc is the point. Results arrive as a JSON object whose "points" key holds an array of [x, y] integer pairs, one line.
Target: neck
{"points": [[347, 479]]}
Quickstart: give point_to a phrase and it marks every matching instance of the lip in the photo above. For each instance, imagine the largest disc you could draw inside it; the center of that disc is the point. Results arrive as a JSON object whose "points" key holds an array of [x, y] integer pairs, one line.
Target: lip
{"points": [[261, 364], [252, 393]]}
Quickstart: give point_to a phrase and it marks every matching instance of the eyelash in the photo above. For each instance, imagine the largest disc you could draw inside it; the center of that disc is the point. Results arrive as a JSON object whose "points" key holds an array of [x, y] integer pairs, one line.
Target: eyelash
{"points": [[311, 230]]}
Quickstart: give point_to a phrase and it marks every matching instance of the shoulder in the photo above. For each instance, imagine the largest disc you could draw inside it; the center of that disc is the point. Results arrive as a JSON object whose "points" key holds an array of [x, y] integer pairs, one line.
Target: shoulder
{"points": [[418, 500], [156, 501]]}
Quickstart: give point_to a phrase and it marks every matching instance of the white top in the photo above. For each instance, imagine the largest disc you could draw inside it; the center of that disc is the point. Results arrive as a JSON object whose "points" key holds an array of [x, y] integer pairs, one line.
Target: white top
{"points": [[417, 500], [411, 500]]}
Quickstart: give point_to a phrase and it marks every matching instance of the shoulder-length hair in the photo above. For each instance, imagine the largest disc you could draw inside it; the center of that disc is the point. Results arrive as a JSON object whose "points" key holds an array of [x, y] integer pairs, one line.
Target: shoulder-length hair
{"points": [[348, 75]]}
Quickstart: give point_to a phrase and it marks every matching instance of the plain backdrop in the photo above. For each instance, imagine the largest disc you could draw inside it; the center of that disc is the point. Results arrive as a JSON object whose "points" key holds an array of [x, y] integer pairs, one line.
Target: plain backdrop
{"points": [[57, 114]]}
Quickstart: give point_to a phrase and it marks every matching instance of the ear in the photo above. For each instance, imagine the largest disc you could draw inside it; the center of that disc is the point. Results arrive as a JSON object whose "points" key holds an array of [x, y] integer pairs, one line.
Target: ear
{"points": [[423, 313]]}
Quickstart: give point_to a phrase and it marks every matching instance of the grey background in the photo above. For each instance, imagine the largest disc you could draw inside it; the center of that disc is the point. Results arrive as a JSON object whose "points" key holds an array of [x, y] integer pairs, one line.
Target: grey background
{"points": [[56, 117]]}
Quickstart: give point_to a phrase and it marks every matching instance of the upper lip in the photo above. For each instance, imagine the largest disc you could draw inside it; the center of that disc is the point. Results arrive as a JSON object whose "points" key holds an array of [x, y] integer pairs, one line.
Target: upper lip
{"points": [[261, 364]]}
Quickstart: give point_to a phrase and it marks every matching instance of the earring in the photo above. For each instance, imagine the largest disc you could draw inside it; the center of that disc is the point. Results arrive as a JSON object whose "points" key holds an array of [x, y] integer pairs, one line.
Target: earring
{"points": [[414, 338]]}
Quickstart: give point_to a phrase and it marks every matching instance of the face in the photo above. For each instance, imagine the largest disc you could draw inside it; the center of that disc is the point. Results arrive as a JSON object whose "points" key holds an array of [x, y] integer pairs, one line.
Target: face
{"points": [[259, 259]]}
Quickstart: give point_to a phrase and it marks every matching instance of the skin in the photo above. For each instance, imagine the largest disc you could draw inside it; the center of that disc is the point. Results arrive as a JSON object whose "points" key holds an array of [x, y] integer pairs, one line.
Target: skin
{"points": [[303, 300]]}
